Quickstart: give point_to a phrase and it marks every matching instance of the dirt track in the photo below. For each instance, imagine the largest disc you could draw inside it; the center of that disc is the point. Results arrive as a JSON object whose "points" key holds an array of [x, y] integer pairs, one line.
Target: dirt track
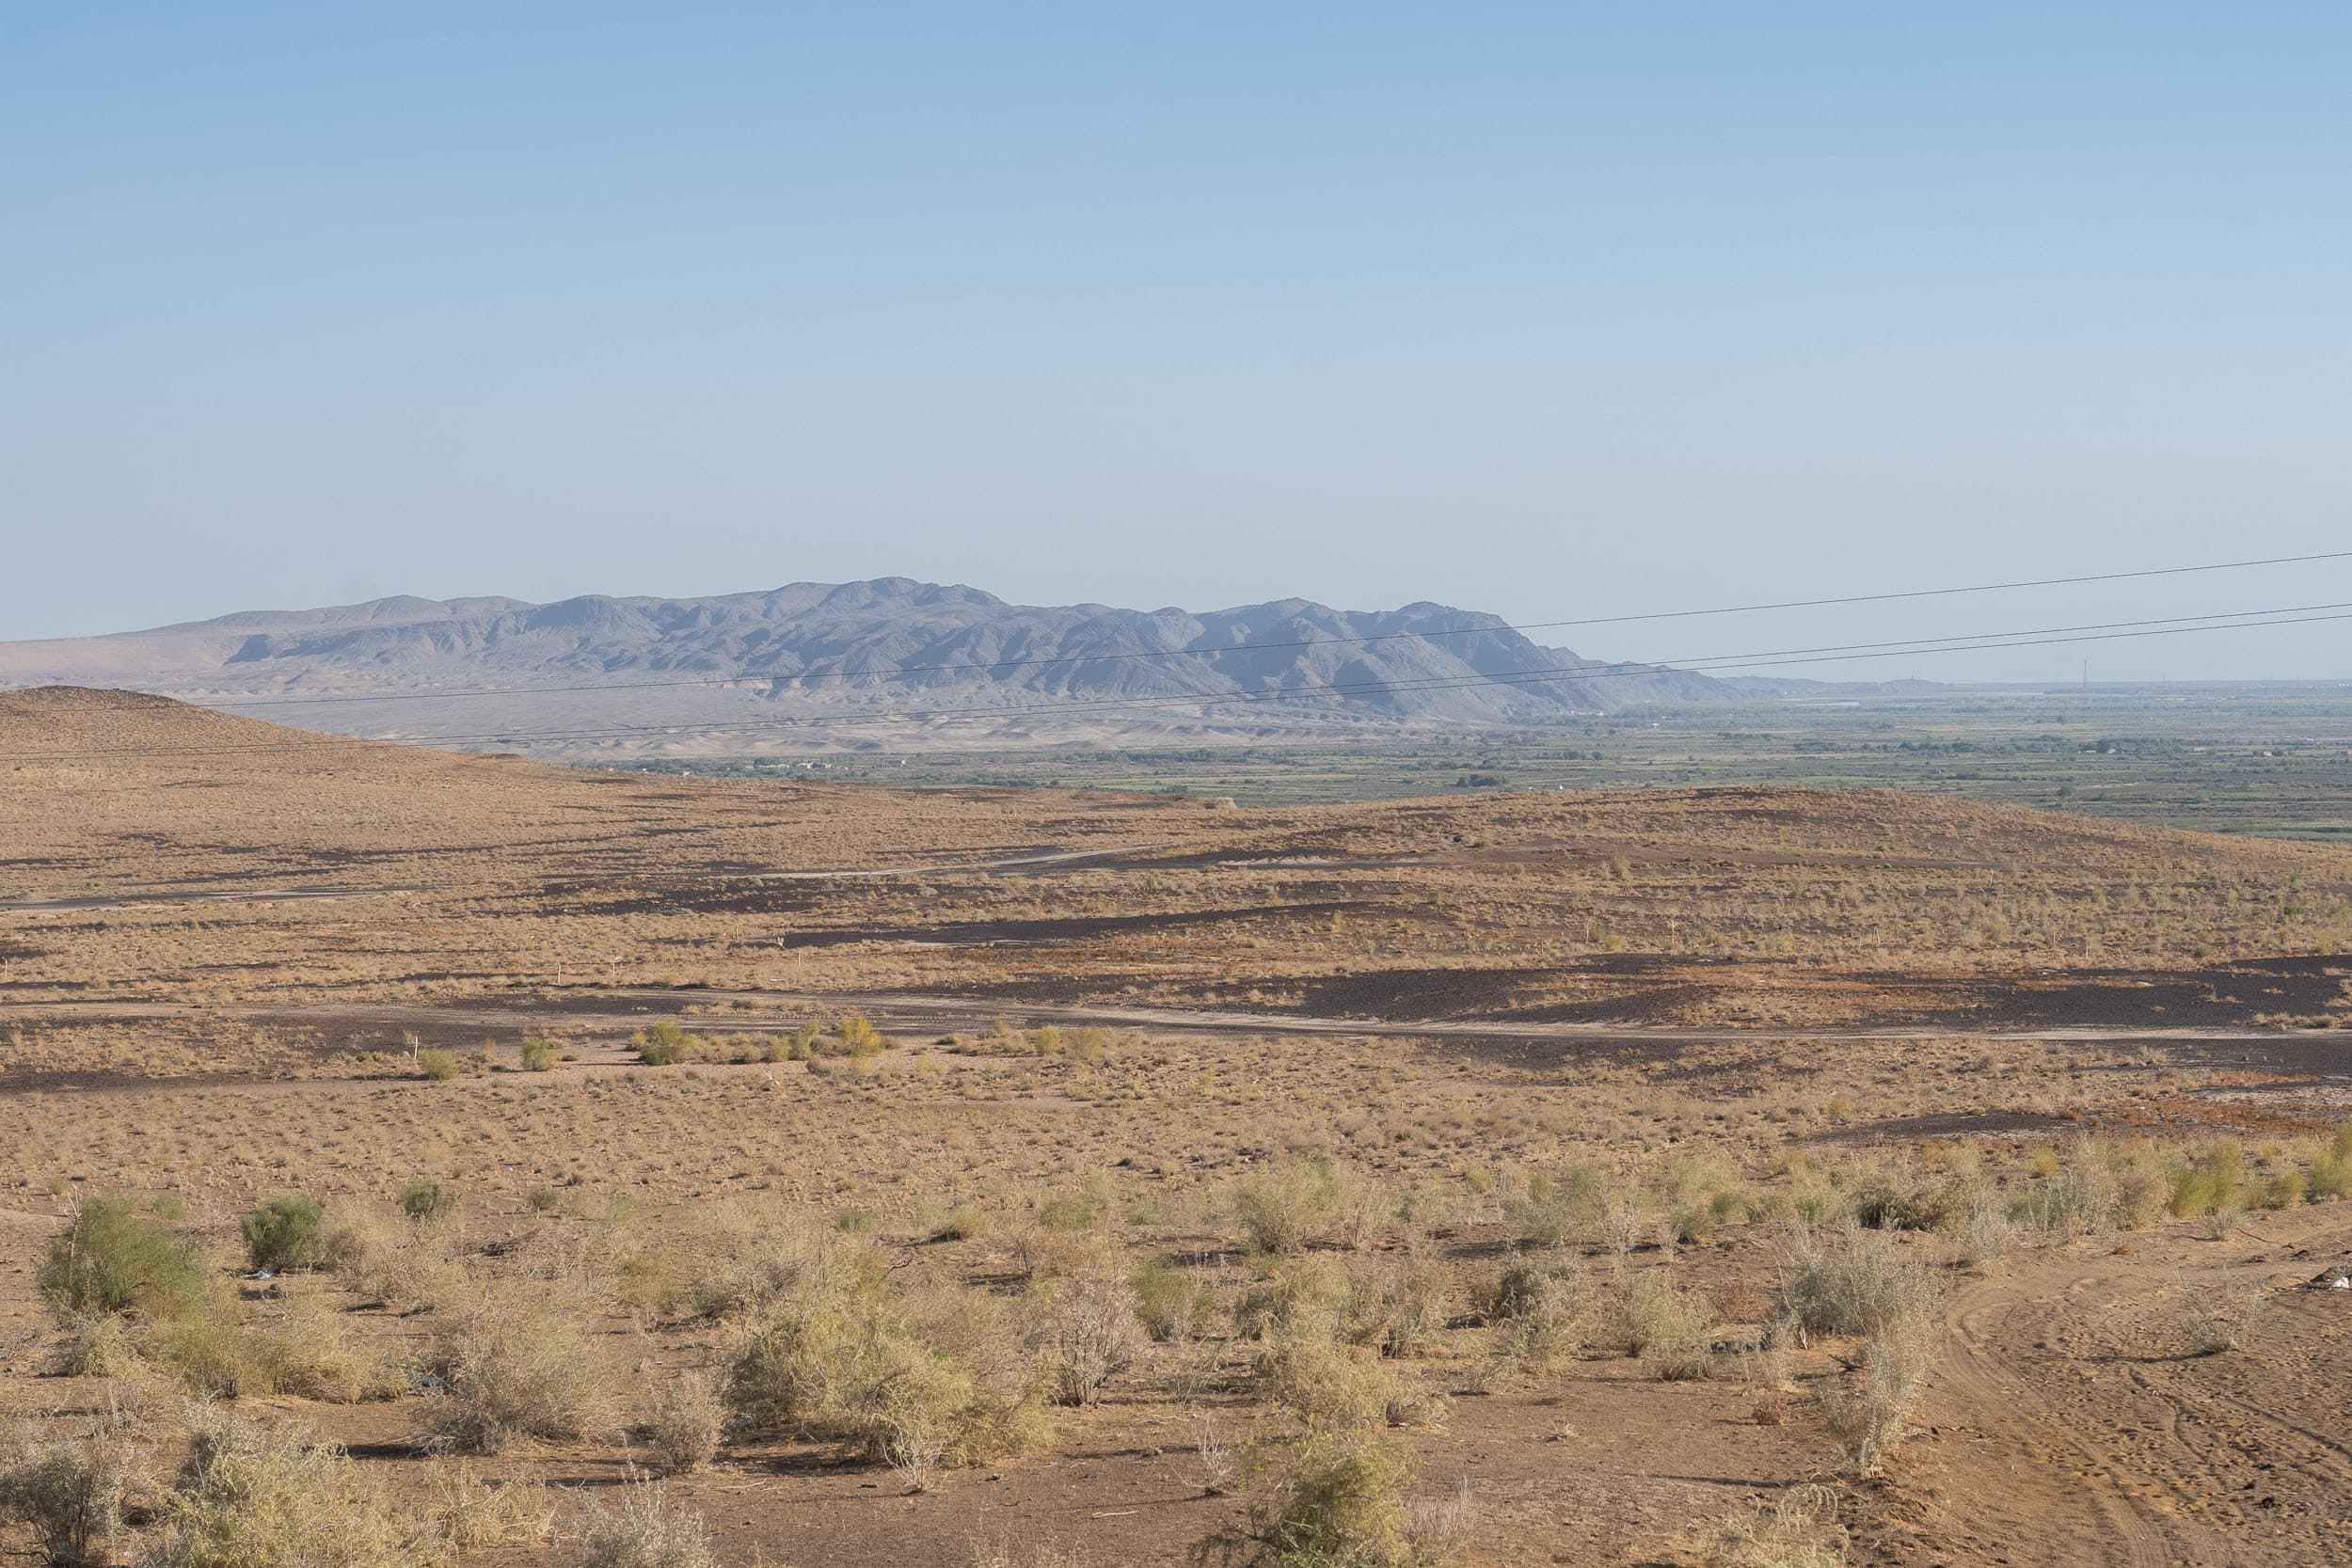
{"points": [[2072, 1426]]}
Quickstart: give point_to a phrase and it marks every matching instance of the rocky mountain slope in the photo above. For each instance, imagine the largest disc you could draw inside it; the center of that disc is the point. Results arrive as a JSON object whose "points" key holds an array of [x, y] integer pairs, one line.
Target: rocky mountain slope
{"points": [[891, 645]]}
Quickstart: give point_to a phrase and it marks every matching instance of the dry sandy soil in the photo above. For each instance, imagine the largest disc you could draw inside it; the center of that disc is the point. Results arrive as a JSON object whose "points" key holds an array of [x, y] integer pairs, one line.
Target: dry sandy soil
{"points": [[222, 942]]}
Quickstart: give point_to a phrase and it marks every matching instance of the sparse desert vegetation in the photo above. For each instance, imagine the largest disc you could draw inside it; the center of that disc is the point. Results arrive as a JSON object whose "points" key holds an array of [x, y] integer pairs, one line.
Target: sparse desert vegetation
{"points": [[1735, 1177]]}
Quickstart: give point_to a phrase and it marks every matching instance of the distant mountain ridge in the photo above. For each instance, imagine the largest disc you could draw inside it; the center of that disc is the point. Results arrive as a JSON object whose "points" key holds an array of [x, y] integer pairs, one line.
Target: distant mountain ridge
{"points": [[818, 645]]}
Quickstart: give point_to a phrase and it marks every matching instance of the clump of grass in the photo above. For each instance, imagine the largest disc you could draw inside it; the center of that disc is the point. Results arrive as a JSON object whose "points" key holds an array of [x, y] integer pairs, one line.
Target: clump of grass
{"points": [[539, 1054], [511, 1369], [1165, 1298], [1797, 1530], [283, 1233], [425, 1201], [1850, 1281], [2219, 1316], [437, 1065], [251, 1497], [646, 1531], [1667, 1328], [687, 1425], [940, 1221], [1300, 1201]]}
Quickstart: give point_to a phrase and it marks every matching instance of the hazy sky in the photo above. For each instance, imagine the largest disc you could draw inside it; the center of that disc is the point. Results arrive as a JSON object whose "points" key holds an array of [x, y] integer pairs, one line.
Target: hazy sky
{"points": [[1546, 309]]}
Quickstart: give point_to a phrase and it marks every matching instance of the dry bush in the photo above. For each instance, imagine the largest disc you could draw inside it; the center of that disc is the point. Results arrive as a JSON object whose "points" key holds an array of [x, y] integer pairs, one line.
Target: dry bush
{"points": [[1334, 1387], [1573, 1208], [437, 1065], [1165, 1298], [1395, 1304], [687, 1424], [468, 1513], [736, 1258], [206, 1348], [1797, 1530], [103, 1346], [646, 1531], [1975, 1223], [1867, 1412], [1541, 1305], [1086, 1332], [305, 1352], [1335, 1500], [1304, 1200], [1850, 1281], [2081, 1200], [1666, 1327], [250, 1496], [911, 1384], [2221, 1316], [70, 1491], [514, 1369]]}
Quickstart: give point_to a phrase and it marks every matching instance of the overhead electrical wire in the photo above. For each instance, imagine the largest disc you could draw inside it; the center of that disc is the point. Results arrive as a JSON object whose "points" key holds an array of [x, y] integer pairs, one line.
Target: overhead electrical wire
{"points": [[1965, 643], [1133, 654]]}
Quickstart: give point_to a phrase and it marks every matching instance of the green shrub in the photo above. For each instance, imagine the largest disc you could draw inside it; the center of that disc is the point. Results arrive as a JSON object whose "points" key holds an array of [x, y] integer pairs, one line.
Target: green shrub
{"points": [[539, 1054], [283, 1233], [114, 1257], [667, 1043], [425, 1201], [2210, 1183], [436, 1063]]}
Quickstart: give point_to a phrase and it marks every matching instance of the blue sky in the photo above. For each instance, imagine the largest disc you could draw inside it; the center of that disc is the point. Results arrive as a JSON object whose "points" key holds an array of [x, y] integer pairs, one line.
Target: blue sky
{"points": [[1552, 310]]}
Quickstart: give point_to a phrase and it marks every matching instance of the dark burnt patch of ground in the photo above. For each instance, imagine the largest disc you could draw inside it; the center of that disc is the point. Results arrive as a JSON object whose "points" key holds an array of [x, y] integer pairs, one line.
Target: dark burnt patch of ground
{"points": [[2238, 995], [1061, 931]]}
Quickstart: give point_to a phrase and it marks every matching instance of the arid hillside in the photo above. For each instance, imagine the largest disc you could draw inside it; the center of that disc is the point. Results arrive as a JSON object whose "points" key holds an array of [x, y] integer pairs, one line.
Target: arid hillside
{"points": [[240, 859], [435, 1150]]}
